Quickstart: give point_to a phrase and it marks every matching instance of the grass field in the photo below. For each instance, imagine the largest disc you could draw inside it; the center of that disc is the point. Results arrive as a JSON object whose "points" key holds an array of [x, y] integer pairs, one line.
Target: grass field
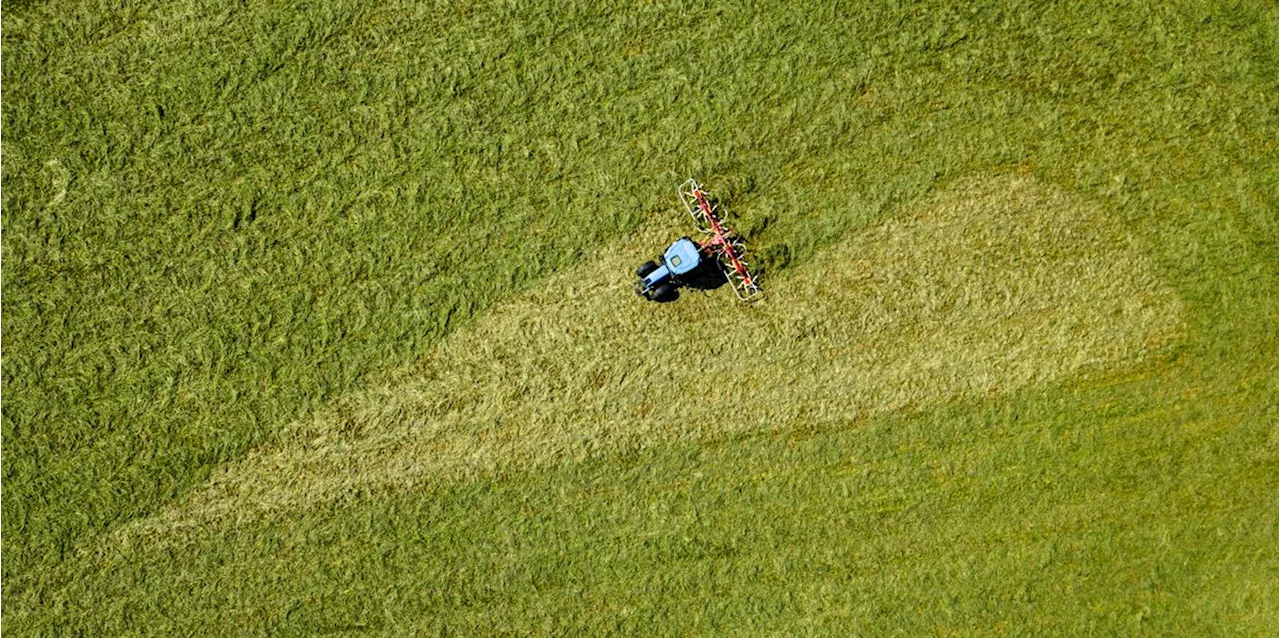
{"points": [[316, 318]]}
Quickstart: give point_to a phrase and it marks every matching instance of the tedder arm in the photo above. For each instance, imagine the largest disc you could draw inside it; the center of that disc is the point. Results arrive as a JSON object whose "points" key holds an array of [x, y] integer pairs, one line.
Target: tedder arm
{"points": [[720, 240]]}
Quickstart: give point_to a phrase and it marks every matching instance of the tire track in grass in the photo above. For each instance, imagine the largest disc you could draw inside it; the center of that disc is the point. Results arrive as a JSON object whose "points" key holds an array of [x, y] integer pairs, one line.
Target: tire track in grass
{"points": [[991, 285]]}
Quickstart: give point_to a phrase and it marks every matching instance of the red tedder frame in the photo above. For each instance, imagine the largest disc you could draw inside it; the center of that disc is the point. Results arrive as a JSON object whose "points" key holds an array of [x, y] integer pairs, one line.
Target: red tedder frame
{"points": [[720, 240]]}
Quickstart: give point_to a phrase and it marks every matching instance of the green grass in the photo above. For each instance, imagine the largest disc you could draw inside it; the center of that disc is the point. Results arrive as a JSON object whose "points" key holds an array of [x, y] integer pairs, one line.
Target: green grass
{"points": [[228, 227], [1048, 513]]}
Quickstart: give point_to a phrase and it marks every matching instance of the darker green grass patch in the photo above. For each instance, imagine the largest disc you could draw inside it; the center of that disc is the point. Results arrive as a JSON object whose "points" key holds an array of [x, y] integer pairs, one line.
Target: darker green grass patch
{"points": [[18, 5]]}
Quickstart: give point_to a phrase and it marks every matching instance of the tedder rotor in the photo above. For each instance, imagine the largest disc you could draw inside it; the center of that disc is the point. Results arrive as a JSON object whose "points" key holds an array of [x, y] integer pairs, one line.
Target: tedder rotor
{"points": [[717, 258]]}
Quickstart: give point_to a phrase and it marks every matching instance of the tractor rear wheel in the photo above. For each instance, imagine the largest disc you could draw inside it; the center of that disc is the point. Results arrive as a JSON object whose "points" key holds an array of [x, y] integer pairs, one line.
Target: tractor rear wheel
{"points": [[646, 268], [665, 293]]}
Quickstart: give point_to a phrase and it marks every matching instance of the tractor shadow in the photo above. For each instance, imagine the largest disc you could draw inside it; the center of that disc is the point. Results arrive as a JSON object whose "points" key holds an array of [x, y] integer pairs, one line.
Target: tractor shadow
{"points": [[707, 276]]}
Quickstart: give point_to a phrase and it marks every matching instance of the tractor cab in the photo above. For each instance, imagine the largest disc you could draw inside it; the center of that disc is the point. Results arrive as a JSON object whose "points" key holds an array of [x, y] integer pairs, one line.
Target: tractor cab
{"points": [[660, 280]]}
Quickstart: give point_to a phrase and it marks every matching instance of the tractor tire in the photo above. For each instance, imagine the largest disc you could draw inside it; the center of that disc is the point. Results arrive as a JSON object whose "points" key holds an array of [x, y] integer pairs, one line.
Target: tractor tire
{"points": [[665, 293], [646, 268]]}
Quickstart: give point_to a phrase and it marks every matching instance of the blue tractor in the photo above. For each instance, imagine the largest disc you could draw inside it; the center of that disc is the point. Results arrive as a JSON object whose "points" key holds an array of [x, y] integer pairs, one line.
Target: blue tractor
{"points": [[661, 280]]}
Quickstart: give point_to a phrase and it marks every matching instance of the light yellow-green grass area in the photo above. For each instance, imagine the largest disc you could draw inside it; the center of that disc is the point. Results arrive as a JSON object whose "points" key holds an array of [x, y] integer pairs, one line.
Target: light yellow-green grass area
{"points": [[994, 284]]}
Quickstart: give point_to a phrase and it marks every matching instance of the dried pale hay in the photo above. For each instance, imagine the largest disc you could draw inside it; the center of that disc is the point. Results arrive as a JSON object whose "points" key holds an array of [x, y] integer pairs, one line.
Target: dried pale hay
{"points": [[990, 286]]}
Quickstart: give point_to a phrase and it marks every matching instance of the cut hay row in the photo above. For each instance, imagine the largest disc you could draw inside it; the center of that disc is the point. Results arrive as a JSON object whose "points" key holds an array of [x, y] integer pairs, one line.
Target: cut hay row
{"points": [[993, 285]]}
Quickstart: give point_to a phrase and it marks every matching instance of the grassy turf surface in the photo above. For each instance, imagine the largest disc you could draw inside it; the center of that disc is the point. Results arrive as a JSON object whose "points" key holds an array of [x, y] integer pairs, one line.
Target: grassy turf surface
{"points": [[220, 221]]}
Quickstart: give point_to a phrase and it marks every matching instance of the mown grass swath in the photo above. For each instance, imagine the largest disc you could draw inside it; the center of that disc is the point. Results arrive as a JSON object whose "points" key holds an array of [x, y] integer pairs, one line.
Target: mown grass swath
{"points": [[224, 221], [990, 287]]}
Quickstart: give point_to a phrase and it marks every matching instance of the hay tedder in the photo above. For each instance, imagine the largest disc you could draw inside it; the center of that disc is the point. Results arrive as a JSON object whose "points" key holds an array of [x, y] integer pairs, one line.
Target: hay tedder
{"points": [[715, 260]]}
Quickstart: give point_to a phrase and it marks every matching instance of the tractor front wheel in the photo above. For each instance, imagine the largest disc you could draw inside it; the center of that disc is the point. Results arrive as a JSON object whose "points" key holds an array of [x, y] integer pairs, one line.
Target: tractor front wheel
{"points": [[646, 268]]}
